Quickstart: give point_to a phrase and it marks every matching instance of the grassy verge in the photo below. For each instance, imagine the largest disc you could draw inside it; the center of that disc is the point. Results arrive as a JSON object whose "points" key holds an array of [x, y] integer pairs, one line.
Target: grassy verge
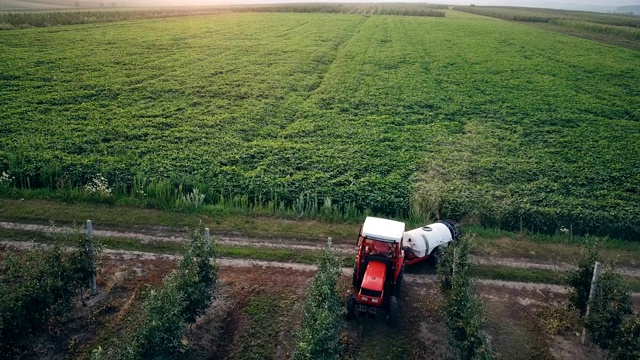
{"points": [[487, 241], [559, 247], [45, 212], [533, 275], [517, 274], [174, 248]]}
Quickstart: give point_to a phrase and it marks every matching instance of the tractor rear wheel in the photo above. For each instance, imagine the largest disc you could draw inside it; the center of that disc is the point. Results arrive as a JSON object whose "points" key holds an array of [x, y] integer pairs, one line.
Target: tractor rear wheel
{"points": [[355, 279], [392, 312], [358, 276], [435, 257], [351, 307], [398, 289]]}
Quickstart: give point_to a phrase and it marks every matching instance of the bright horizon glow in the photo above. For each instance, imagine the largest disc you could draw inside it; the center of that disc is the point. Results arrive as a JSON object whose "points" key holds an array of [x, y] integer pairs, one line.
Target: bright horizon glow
{"points": [[522, 3], [594, 5], [588, 5]]}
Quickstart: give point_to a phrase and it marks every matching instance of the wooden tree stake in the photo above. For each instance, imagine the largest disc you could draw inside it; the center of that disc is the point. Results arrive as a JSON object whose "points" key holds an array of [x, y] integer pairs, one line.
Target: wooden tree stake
{"points": [[592, 291]]}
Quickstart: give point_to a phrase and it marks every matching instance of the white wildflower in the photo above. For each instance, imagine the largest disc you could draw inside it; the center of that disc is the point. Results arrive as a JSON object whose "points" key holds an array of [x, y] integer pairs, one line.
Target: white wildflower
{"points": [[5, 178], [98, 185]]}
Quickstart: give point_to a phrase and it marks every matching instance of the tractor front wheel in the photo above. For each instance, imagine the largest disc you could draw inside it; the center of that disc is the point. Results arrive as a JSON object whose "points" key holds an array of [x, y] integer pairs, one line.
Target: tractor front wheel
{"points": [[393, 311], [351, 307]]}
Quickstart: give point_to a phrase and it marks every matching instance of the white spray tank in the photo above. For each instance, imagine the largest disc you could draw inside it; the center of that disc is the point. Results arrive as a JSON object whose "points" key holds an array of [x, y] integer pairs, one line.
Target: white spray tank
{"points": [[424, 239]]}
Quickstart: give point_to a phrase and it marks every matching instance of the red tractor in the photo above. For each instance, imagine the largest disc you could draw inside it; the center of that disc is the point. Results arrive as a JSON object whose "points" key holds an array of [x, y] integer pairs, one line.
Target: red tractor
{"points": [[379, 268]]}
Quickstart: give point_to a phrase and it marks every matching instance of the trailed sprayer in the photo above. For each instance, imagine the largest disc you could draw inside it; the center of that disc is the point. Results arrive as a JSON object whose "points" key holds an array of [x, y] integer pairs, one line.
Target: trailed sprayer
{"points": [[384, 248]]}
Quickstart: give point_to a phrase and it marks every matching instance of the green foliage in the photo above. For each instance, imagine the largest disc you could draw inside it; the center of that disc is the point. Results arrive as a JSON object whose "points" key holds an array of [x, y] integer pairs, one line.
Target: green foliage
{"points": [[463, 309], [608, 308], [23, 20], [192, 200], [547, 15], [257, 129], [320, 333], [185, 294], [627, 345], [617, 26], [405, 9], [621, 31], [611, 323], [37, 289], [160, 336], [578, 280], [197, 276]]}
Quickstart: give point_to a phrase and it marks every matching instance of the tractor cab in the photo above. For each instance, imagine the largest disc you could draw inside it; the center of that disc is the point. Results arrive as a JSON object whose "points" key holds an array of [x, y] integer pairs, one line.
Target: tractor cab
{"points": [[377, 274]]}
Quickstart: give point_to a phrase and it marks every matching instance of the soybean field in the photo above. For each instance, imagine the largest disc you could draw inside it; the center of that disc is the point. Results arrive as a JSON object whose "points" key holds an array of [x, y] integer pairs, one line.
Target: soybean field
{"points": [[461, 116]]}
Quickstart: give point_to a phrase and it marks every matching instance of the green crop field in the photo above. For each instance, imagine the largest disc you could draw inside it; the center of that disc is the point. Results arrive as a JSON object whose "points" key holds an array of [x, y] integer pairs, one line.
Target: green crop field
{"points": [[620, 29], [460, 116]]}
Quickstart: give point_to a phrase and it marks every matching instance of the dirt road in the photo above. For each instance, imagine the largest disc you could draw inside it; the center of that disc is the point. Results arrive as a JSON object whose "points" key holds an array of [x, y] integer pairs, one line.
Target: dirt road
{"points": [[165, 234], [423, 279]]}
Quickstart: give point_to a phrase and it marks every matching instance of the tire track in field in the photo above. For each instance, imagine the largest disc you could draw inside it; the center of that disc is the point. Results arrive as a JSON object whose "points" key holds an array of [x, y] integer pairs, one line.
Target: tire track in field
{"points": [[162, 234], [339, 48], [293, 28]]}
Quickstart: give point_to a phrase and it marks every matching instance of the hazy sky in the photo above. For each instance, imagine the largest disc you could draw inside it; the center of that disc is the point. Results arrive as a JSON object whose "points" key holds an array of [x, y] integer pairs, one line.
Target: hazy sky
{"points": [[478, 2], [532, 3], [593, 5], [552, 2]]}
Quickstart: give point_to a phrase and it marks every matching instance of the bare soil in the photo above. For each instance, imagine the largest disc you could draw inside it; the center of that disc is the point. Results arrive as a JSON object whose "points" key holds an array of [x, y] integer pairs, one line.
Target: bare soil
{"points": [[258, 310]]}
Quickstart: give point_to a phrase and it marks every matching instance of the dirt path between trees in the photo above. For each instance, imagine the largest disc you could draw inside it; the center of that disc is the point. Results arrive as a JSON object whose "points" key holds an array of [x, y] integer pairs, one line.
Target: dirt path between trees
{"points": [[423, 279], [165, 234]]}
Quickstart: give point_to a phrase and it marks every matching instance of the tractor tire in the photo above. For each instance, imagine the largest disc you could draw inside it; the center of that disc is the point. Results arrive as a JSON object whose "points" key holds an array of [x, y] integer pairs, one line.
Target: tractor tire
{"points": [[355, 282], [435, 257], [397, 291], [351, 307], [357, 278], [392, 312]]}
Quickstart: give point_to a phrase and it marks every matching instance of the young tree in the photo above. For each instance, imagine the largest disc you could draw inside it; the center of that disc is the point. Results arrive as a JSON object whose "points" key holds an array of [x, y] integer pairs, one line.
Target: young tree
{"points": [[579, 280], [463, 309], [627, 344], [185, 294], [320, 334], [37, 288], [608, 308], [198, 275], [161, 335], [611, 322]]}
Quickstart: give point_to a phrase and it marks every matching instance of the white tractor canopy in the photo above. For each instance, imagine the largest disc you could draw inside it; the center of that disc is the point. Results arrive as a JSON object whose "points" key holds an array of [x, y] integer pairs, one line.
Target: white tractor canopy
{"points": [[382, 229], [423, 240]]}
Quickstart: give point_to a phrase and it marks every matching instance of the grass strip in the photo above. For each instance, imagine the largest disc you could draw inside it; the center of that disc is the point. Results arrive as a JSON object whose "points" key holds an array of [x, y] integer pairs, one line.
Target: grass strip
{"points": [[175, 248], [124, 217], [541, 276], [46, 212], [517, 274]]}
